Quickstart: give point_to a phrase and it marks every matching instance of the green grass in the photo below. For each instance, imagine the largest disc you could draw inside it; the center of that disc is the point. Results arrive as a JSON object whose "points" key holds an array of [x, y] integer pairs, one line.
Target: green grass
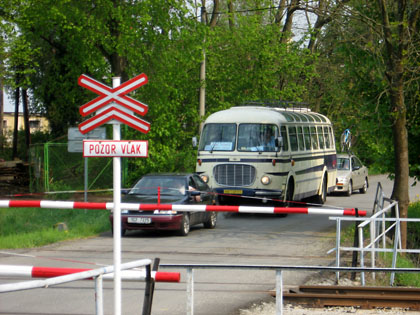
{"points": [[33, 227]]}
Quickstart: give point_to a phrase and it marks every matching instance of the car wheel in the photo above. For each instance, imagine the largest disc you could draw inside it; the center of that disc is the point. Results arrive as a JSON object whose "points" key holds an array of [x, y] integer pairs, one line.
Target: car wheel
{"points": [[185, 225], [364, 189], [350, 191], [211, 221]]}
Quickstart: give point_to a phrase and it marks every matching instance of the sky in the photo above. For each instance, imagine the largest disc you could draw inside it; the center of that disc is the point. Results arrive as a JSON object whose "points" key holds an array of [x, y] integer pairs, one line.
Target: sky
{"points": [[9, 105]]}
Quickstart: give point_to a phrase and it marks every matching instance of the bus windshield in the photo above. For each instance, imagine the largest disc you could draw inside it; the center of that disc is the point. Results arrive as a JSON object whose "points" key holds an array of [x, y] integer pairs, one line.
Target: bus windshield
{"points": [[218, 137], [257, 137]]}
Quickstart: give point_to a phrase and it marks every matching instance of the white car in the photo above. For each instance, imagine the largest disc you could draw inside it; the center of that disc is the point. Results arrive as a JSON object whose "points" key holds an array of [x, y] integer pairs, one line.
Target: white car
{"points": [[351, 175]]}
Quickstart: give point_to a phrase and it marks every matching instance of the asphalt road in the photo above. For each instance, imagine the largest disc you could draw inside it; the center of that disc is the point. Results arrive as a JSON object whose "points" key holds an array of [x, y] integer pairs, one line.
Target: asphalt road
{"points": [[238, 239]]}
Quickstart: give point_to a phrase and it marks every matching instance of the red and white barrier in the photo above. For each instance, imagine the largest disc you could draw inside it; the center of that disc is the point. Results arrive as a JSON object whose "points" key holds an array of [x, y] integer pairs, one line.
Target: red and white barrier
{"points": [[187, 208], [51, 272], [181, 208]]}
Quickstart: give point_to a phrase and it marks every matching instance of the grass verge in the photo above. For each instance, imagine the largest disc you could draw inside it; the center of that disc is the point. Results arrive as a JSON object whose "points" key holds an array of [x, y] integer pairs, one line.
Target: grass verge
{"points": [[33, 227]]}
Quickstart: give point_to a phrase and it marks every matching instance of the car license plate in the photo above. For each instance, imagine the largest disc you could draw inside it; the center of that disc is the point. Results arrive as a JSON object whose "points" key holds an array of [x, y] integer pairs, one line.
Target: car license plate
{"points": [[139, 220], [233, 191]]}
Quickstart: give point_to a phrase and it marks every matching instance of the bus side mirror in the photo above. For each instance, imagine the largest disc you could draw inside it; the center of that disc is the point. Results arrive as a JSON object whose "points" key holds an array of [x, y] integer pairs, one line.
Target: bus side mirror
{"points": [[194, 142], [279, 142]]}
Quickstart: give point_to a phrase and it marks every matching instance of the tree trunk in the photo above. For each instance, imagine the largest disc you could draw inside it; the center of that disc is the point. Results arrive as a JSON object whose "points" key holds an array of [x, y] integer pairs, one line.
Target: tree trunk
{"points": [[396, 47], [15, 127], [118, 66], [215, 14], [399, 131], [287, 28], [280, 12], [231, 14], [26, 120], [400, 190]]}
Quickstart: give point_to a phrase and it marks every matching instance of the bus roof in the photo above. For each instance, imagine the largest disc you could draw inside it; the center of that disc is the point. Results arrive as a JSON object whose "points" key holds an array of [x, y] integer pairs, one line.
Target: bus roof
{"points": [[267, 115]]}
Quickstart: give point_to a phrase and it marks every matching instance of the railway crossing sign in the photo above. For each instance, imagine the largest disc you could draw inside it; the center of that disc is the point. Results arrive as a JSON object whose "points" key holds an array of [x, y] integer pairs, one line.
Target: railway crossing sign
{"points": [[113, 104]]}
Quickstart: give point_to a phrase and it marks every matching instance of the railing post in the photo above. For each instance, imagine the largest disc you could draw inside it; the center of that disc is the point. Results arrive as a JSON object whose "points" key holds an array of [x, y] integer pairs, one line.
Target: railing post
{"points": [[373, 241], [337, 248], [99, 306], [383, 230], [279, 292], [150, 287], [362, 260], [190, 291], [395, 250], [355, 242]]}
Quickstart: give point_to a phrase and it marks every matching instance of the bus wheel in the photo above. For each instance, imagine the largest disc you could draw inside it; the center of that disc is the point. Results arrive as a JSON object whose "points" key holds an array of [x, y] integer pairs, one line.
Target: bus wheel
{"points": [[322, 197], [289, 194]]}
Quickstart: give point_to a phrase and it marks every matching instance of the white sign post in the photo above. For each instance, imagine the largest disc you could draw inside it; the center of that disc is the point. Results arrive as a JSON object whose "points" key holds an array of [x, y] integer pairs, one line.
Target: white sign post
{"points": [[114, 107], [116, 163]]}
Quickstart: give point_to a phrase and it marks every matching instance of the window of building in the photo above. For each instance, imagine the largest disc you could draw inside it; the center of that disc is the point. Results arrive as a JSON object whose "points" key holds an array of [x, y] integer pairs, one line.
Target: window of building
{"points": [[34, 124]]}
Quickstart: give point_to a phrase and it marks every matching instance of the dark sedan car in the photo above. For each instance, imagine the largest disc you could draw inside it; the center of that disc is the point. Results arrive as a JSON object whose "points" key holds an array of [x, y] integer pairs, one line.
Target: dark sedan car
{"points": [[173, 189]]}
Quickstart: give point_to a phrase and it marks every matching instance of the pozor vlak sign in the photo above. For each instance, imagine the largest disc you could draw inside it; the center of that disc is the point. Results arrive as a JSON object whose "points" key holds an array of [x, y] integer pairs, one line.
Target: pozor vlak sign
{"points": [[114, 107], [94, 148]]}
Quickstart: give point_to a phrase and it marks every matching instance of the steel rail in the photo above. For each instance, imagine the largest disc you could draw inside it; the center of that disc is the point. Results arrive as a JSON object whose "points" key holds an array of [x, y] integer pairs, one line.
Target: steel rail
{"points": [[363, 297]]}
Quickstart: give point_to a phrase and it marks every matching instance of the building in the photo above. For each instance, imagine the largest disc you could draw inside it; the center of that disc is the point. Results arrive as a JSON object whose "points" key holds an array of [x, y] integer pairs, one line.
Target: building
{"points": [[36, 123]]}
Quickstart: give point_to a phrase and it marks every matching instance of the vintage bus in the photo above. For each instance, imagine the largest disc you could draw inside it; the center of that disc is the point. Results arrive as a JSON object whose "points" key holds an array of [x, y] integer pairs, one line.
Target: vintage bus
{"points": [[268, 153]]}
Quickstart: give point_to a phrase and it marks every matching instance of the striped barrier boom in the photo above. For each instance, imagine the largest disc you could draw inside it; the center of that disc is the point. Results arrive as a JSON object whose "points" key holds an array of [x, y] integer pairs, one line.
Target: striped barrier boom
{"points": [[51, 272], [180, 208]]}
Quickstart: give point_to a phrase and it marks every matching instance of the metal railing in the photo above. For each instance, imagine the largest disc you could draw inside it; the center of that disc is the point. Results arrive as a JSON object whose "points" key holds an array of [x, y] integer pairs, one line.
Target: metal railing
{"points": [[97, 275], [381, 227]]}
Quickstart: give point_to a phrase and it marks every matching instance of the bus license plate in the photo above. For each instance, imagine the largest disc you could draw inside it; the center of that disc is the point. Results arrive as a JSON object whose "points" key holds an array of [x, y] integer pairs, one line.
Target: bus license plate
{"points": [[139, 220], [233, 191]]}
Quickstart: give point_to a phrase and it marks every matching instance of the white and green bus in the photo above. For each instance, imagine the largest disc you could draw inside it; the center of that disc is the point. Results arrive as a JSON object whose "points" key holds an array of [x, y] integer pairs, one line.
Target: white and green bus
{"points": [[268, 153]]}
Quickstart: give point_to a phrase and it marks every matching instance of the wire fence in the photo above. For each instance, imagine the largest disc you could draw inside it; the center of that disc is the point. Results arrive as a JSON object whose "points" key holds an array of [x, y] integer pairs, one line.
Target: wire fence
{"points": [[53, 168]]}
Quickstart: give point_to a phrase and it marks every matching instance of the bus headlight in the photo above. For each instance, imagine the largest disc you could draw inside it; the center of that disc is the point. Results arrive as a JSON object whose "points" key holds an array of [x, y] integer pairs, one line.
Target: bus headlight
{"points": [[205, 178], [265, 180]]}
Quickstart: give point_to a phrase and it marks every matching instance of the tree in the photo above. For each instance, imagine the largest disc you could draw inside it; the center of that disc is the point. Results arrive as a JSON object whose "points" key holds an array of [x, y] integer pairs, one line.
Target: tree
{"points": [[398, 31], [371, 49]]}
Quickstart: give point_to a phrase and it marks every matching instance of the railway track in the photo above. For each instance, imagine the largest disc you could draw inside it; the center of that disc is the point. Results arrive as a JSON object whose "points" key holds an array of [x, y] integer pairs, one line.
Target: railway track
{"points": [[363, 297]]}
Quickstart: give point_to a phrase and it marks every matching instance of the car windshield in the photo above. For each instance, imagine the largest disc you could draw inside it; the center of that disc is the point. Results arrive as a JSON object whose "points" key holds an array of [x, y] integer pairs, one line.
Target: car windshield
{"points": [[343, 164], [148, 185]]}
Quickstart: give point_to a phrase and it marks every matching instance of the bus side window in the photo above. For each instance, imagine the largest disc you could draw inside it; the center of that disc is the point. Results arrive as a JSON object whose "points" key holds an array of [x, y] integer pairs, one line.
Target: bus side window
{"points": [[293, 139], [330, 131], [327, 138], [307, 136], [320, 137], [314, 138], [285, 139], [300, 138]]}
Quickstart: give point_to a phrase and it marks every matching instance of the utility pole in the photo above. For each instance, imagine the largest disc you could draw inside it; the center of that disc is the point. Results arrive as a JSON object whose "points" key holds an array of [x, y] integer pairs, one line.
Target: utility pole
{"points": [[203, 70]]}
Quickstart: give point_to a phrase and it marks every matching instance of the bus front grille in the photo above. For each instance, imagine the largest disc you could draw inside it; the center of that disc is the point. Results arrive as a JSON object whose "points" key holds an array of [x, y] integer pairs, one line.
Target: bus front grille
{"points": [[234, 174]]}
